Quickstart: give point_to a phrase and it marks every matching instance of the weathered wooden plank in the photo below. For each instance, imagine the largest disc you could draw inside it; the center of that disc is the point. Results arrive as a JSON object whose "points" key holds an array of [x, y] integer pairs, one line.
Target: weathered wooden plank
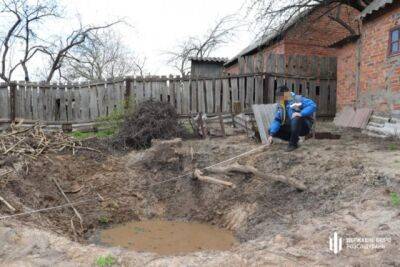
{"points": [[249, 91], [264, 115], [186, 97], [225, 95], [171, 92], [147, 89], [259, 63], [218, 95], [155, 90], [281, 66], [4, 103], [85, 103], [314, 65], [209, 96], [324, 94], [242, 91], [193, 96], [259, 90], [271, 63], [35, 96], [332, 99], [271, 89], [201, 96], [41, 115], [93, 108], [178, 91]]}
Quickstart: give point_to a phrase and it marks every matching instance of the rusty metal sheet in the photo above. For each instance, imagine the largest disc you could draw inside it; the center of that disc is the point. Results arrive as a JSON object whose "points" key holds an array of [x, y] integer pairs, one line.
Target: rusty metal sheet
{"points": [[361, 118]]}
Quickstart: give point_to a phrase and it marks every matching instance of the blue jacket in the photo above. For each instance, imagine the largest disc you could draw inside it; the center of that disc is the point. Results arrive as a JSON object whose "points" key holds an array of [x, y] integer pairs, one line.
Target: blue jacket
{"points": [[307, 108]]}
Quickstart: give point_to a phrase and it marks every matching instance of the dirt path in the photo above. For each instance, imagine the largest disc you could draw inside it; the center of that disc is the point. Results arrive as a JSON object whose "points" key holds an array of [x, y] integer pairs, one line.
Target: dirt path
{"points": [[350, 183]]}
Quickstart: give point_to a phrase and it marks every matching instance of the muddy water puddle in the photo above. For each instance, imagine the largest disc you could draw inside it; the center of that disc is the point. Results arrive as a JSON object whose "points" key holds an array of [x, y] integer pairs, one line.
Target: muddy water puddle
{"points": [[168, 237]]}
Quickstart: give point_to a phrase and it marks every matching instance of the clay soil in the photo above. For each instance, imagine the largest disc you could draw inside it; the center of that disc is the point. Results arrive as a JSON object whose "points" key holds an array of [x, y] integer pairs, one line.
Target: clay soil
{"points": [[349, 183]]}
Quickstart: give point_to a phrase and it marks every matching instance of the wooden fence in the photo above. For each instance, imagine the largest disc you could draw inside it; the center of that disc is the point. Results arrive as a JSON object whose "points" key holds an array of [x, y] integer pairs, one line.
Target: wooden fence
{"points": [[79, 103]]}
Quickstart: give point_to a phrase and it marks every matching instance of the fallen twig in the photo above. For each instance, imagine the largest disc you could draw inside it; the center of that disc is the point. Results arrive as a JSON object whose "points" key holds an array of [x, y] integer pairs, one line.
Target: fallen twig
{"points": [[69, 202], [7, 204]]}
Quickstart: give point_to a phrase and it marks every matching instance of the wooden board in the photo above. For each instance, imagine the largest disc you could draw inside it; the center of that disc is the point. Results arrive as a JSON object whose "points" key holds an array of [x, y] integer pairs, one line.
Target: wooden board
{"points": [[201, 96], [193, 96], [242, 91], [225, 95], [259, 89], [218, 95], [186, 97], [209, 96], [264, 115], [249, 91]]}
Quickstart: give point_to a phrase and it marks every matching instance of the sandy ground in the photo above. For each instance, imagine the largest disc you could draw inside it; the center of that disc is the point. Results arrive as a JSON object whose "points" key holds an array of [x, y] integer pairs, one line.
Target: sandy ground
{"points": [[349, 184]]}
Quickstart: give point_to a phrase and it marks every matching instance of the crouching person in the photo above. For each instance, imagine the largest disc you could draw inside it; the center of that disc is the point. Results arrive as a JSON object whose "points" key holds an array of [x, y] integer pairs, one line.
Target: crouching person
{"points": [[293, 118]]}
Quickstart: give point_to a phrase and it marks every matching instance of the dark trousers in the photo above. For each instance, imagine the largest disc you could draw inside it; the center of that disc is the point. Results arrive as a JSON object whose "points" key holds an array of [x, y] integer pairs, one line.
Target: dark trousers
{"points": [[298, 126]]}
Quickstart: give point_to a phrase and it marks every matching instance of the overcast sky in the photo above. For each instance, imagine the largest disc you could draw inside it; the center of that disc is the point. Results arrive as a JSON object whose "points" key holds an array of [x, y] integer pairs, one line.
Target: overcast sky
{"points": [[157, 25]]}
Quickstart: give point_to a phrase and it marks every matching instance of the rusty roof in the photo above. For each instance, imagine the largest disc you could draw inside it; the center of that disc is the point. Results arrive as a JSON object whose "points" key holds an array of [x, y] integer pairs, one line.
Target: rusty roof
{"points": [[374, 6]]}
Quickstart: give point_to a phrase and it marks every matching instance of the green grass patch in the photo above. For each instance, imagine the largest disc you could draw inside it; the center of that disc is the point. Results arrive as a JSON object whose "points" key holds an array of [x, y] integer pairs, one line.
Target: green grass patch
{"points": [[395, 199], [106, 261], [392, 147], [98, 134]]}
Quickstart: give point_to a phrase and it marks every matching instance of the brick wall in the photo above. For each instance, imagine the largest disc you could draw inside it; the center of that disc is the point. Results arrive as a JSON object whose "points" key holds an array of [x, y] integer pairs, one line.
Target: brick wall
{"points": [[346, 75], [312, 35], [380, 73]]}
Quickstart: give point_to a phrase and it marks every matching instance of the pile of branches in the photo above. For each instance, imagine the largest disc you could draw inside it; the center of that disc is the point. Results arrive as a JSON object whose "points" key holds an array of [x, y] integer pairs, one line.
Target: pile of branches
{"points": [[33, 141], [150, 120]]}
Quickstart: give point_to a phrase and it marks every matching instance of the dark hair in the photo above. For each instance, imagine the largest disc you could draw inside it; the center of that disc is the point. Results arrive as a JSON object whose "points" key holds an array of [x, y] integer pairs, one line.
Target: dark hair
{"points": [[281, 90]]}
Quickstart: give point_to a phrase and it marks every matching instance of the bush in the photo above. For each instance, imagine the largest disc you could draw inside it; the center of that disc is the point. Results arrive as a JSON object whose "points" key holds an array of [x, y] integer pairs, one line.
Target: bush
{"points": [[150, 119]]}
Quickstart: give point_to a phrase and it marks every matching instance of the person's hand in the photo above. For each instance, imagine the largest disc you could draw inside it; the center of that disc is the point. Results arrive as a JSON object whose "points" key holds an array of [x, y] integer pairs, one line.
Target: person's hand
{"points": [[270, 140], [296, 115]]}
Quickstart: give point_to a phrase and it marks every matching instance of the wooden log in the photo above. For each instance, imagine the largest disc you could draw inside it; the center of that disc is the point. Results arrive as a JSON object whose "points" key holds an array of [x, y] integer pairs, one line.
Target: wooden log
{"points": [[250, 169], [199, 175]]}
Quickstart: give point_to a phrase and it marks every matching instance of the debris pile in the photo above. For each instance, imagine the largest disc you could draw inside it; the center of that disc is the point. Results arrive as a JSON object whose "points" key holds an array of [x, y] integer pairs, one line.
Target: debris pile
{"points": [[31, 142], [150, 120]]}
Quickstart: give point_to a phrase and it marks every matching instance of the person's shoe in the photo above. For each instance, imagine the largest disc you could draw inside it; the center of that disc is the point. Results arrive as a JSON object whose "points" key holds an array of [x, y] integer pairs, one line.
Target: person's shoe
{"points": [[290, 148]]}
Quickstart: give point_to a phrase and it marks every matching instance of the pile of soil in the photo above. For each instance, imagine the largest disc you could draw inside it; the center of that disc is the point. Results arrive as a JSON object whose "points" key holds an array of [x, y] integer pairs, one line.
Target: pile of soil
{"points": [[150, 120]]}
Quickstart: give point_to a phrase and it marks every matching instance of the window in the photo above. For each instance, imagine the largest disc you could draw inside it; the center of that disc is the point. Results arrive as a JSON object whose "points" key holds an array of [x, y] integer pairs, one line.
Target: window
{"points": [[394, 44]]}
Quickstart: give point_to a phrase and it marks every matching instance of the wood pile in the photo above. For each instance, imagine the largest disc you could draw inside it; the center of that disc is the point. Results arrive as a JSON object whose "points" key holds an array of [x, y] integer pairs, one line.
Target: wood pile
{"points": [[31, 142]]}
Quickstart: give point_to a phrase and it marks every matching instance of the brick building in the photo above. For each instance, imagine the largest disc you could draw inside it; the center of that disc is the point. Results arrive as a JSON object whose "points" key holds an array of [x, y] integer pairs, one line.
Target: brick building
{"points": [[369, 66], [312, 33]]}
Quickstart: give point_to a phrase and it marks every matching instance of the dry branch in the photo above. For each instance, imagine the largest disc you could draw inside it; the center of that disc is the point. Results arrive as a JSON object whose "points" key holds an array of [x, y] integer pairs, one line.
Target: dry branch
{"points": [[7, 204], [199, 175], [250, 169], [69, 202]]}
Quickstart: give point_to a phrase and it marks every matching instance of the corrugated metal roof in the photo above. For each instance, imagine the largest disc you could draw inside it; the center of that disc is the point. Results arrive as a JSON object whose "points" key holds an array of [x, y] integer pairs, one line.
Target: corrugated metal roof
{"points": [[375, 6], [210, 59]]}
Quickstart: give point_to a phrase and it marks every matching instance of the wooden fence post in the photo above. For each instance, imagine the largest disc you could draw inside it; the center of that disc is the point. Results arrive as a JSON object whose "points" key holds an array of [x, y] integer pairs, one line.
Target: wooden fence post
{"points": [[127, 97], [13, 100]]}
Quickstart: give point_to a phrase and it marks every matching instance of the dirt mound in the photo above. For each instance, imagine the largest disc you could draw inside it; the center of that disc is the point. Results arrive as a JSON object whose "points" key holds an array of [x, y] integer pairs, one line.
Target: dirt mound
{"points": [[150, 120]]}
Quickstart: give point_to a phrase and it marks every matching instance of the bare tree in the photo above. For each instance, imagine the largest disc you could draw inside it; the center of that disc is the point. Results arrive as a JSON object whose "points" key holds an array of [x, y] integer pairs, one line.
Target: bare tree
{"points": [[20, 33], [202, 46], [59, 51], [102, 55], [273, 15]]}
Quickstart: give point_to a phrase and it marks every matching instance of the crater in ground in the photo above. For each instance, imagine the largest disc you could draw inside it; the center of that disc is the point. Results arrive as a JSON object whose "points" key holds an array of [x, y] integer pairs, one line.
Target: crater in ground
{"points": [[273, 223]]}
